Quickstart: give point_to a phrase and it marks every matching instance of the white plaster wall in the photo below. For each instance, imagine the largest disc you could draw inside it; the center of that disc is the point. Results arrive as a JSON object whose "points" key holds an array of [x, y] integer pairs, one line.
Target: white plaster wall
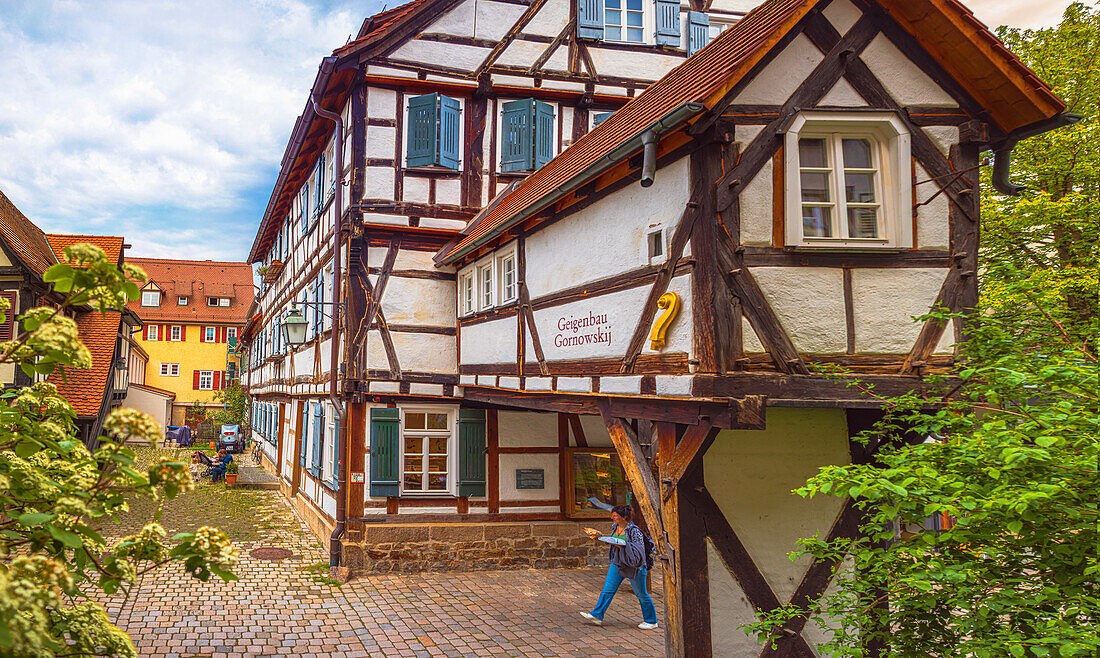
{"points": [[380, 141], [944, 137], [933, 224], [494, 19], [459, 20], [634, 64], [522, 53], [407, 259], [437, 52], [419, 301], [448, 191], [595, 432], [775, 84], [602, 239], [885, 302], [516, 428], [508, 465], [843, 95], [842, 14], [489, 342], [156, 405], [810, 304], [901, 77], [415, 189], [425, 352], [549, 20], [729, 609], [382, 103], [379, 183], [750, 474], [756, 197], [622, 310]]}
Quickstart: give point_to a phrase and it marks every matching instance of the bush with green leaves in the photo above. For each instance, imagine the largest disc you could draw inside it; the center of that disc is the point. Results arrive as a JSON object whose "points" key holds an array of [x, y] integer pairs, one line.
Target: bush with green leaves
{"points": [[53, 490]]}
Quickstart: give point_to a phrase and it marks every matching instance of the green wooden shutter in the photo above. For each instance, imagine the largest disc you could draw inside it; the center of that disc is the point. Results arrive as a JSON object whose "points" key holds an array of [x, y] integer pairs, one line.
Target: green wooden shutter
{"points": [[471, 452], [668, 22], [515, 148], [318, 435], [600, 117], [385, 456], [450, 133], [698, 31], [590, 19], [544, 133], [422, 143]]}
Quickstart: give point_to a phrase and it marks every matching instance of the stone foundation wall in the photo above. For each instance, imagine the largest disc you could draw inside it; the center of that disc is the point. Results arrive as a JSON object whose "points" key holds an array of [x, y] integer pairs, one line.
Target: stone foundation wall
{"points": [[472, 546]]}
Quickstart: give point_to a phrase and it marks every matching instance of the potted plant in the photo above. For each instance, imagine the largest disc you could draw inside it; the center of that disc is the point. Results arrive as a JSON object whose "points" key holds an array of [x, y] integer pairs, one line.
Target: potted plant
{"points": [[231, 473], [120, 363]]}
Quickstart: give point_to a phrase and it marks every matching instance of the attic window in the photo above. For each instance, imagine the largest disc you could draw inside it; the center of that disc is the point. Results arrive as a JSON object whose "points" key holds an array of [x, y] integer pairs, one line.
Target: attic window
{"points": [[181, 301], [150, 298], [217, 301], [223, 301]]}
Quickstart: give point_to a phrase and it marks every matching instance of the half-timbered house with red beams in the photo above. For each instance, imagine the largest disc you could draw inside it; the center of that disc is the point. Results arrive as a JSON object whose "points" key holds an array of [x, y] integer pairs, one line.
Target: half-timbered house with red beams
{"points": [[645, 315]]}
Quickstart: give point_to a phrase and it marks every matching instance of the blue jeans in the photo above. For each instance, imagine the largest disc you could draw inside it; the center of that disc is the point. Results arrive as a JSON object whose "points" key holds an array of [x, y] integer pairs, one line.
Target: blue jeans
{"points": [[611, 585], [217, 474]]}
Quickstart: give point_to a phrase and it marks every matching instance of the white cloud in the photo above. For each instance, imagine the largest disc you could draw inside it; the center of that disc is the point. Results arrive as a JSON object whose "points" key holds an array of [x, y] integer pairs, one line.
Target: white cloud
{"points": [[163, 121], [1031, 14]]}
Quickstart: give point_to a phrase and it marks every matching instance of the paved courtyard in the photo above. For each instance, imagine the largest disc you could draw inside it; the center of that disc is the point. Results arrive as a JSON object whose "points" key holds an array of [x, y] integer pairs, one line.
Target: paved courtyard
{"points": [[289, 607]]}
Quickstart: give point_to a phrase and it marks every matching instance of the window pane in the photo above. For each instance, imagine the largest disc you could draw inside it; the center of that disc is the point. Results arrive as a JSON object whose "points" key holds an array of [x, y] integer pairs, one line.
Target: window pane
{"points": [[633, 19], [437, 482], [414, 463], [863, 222], [437, 464], [437, 421], [817, 221], [859, 188], [414, 421], [413, 445], [611, 4], [598, 475], [635, 5], [815, 186], [437, 445], [811, 153], [634, 34], [612, 33], [414, 481], [857, 154]]}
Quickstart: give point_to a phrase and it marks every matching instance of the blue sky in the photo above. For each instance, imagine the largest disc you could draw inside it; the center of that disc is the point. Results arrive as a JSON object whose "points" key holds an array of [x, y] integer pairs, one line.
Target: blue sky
{"points": [[165, 121]]}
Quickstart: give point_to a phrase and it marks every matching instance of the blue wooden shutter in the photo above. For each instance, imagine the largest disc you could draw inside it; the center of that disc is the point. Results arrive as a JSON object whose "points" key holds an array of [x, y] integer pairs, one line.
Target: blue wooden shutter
{"points": [[471, 452], [318, 298], [335, 450], [668, 22], [302, 440], [544, 133], [590, 19], [318, 433], [304, 203], [516, 143], [698, 31], [422, 144], [385, 455], [600, 117], [319, 193], [450, 132]]}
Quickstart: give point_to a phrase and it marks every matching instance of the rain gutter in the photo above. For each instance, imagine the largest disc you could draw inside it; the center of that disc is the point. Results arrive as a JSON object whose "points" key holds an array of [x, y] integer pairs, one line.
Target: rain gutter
{"points": [[1002, 151], [648, 135]]}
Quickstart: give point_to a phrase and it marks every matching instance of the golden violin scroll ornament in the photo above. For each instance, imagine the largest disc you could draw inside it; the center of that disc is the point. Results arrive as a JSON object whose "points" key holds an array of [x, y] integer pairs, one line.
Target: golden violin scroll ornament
{"points": [[669, 306]]}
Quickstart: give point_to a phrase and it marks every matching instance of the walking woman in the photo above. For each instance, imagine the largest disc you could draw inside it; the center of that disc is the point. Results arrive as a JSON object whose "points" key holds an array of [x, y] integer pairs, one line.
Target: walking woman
{"points": [[628, 560]]}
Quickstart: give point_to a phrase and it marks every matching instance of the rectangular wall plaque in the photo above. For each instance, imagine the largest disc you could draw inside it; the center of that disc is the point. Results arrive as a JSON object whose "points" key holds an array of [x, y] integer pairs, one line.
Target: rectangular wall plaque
{"points": [[530, 478]]}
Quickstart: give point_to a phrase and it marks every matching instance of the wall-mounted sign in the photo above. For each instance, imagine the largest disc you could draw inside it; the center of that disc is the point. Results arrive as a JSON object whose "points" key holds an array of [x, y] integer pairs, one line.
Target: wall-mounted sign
{"points": [[358, 478], [530, 478], [578, 331]]}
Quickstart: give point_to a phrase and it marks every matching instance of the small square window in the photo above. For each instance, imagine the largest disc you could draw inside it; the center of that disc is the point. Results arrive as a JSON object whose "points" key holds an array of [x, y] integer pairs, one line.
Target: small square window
{"points": [[150, 298], [170, 369], [655, 246], [175, 332], [152, 332], [223, 301], [211, 301], [211, 334], [181, 301], [206, 380]]}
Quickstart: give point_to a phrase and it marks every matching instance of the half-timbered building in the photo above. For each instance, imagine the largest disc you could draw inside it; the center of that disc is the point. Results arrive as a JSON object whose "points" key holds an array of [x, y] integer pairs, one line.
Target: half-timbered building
{"points": [[645, 315]]}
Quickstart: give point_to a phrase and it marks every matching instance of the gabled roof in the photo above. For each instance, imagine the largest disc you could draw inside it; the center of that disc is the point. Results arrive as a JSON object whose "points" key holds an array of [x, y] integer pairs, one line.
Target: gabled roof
{"points": [[26, 240], [994, 76], [110, 244], [86, 390], [196, 280], [375, 28]]}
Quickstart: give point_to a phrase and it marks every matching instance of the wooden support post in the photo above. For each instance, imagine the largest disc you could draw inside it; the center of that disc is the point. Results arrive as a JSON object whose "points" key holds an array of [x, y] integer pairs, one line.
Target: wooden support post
{"points": [[674, 613], [492, 448], [563, 460], [637, 472], [356, 443], [296, 479]]}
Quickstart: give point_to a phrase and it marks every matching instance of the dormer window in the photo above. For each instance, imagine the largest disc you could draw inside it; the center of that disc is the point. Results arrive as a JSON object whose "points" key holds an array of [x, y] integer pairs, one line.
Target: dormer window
{"points": [[217, 301], [150, 298], [848, 181]]}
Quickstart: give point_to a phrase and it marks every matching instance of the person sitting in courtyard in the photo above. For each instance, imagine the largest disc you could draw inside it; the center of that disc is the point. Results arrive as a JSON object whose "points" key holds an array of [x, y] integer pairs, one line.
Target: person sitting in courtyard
{"points": [[221, 462]]}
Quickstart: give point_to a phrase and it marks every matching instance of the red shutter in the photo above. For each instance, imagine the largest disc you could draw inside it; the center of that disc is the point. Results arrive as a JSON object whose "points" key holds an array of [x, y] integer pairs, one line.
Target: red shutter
{"points": [[202, 334], [225, 332], [217, 380], [196, 383], [183, 332], [145, 332], [225, 384]]}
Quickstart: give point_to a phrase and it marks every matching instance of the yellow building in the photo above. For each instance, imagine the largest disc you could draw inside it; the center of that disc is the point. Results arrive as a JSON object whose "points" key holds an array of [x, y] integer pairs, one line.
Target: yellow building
{"points": [[193, 313]]}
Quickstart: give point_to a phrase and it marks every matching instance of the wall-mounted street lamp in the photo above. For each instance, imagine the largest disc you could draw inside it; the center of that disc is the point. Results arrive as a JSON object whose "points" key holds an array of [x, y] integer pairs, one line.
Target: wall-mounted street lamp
{"points": [[294, 324]]}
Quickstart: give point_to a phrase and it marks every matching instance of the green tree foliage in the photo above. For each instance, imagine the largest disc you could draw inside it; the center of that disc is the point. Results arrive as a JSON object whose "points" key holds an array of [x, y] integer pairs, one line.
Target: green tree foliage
{"points": [[53, 489], [1017, 459], [235, 408]]}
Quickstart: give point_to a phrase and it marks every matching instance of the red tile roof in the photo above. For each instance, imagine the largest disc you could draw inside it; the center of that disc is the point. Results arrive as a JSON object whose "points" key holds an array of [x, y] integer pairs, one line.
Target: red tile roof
{"points": [[87, 389], [196, 280], [154, 389], [26, 240], [110, 244], [708, 74], [379, 25]]}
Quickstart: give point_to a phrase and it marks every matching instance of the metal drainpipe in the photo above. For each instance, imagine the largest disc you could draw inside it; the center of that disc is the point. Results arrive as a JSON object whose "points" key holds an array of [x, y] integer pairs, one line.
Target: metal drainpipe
{"points": [[1002, 152], [649, 157], [335, 545]]}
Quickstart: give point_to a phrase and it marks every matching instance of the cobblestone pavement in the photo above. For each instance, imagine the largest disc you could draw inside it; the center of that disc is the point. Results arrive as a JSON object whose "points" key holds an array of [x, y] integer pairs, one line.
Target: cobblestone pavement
{"points": [[289, 607]]}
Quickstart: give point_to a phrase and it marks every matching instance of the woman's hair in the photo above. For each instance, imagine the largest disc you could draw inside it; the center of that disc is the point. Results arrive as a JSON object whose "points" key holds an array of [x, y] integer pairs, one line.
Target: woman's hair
{"points": [[623, 511]]}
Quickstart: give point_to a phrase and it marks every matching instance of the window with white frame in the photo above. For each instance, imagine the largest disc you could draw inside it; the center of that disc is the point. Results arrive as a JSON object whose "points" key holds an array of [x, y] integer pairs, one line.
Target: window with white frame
{"points": [[623, 20], [152, 332], [210, 334], [150, 298], [181, 301], [848, 181], [211, 301], [506, 266], [175, 332], [485, 285], [231, 333], [426, 451], [329, 445], [466, 293], [206, 380], [223, 301], [655, 245], [169, 370]]}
